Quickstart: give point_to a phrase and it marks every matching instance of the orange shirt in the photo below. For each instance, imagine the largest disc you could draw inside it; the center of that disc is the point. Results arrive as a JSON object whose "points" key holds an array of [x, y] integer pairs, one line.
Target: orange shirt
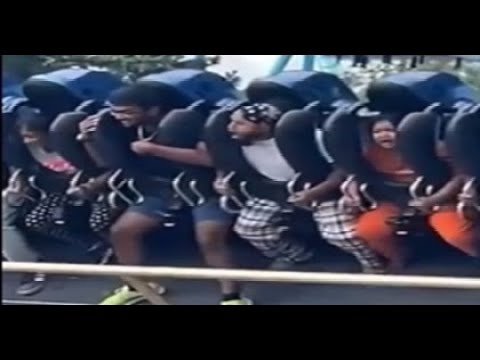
{"points": [[390, 163]]}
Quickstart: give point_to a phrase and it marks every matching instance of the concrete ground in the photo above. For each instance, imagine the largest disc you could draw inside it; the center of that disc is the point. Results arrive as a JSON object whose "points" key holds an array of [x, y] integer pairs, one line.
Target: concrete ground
{"points": [[177, 249]]}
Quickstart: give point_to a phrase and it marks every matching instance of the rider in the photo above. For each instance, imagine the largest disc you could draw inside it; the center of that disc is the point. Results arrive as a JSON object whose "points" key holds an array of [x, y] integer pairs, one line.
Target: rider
{"points": [[212, 224], [373, 226], [140, 106], [461, 233], [17, 239], [252, 125], [335, 223]]}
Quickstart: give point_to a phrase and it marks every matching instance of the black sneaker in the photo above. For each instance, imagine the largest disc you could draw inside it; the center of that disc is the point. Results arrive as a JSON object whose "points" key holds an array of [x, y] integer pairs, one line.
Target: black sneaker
{"points": [[282, 264], [31, 284]]}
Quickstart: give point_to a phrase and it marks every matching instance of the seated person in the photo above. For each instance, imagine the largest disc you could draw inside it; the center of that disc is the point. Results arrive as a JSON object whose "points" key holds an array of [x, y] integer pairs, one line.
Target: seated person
{"points": [[212, 224], [138, 106], [17, 245], [257, 223], [373, 226], [34, 131], [335, 224], [461, 233]]}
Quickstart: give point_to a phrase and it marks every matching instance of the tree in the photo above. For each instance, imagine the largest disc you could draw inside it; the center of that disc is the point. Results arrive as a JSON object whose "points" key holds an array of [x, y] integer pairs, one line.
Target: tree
{"points": [[125, 65]]}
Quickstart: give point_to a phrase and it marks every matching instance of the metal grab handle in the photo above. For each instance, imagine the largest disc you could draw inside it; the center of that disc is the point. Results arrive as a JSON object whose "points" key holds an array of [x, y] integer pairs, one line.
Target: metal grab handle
{"points": [[176, 186], [414, 188], [201, 198], [74, 182], [344, 188], [291, 184], [244, 190], [14, 188], [363, 189], [13, 184], [116, 190], [32, 182], [133, 188], [232, 197], [466, 194], [346, 184], [475, 109], [433, 107], [226, 207]]}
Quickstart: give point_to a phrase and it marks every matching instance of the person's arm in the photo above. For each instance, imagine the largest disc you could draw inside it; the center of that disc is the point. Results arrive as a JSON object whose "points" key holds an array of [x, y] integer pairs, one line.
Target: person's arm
{"points": [[449, 192], [322, 190], [332, 183], [91, 188], [198, 156]]}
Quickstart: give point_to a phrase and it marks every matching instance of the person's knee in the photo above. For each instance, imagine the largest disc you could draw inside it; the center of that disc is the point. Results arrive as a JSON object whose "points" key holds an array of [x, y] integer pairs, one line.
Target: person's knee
{"points": [[132, 226], [251, 231], [374, 225], [212, 235], [456, 231]]}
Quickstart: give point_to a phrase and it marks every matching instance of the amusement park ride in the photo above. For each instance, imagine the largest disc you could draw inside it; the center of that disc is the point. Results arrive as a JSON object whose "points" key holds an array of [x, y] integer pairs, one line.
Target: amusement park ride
{"points": [[326, 62]]}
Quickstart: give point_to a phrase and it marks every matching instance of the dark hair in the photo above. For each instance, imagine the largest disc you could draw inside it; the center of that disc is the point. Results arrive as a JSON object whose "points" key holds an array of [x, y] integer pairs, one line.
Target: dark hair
{"points": [[141, 95], [32, 119], [393, 118]]}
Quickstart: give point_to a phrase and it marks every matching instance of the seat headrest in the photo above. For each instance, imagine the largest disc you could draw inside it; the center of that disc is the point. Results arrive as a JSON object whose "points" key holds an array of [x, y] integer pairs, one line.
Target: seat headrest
{"points": [[193, 85], [415, 90], [303, 87], [63, 90], [462, 139], [417, 140], [62, 136], [181, 128], [295, 135]]}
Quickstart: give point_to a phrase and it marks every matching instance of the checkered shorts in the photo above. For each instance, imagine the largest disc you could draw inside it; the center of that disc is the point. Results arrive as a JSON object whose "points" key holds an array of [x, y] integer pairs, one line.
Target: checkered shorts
{"points": [[337, 227], [44, 215], [262, 223], [102, 216]]}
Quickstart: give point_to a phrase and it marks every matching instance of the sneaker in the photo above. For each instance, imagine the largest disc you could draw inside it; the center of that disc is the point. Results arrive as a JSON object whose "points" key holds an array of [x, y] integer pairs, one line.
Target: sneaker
{"points": [[126, 296], [241, 301], [31, 284], [281, 264]]}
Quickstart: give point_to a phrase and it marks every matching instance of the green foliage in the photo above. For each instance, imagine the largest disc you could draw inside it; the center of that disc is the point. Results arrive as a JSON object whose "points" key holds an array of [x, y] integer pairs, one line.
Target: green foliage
{"points": [[126, 65]]}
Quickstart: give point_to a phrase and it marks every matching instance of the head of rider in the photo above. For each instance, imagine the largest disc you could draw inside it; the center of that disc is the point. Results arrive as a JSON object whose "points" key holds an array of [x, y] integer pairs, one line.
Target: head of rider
{"points": [[255, 122], [137, 105]]}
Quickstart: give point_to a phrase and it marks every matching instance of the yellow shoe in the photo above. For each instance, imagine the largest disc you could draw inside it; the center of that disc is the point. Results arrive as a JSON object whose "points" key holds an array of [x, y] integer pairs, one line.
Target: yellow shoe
{"points": [[242, 301], [126, 296], [122, 296]]}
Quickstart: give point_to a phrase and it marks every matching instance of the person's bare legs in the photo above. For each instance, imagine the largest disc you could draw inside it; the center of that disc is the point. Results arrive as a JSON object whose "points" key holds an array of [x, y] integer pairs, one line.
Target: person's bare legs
{"points": [[213, 230], [126, 236], [212, 237]]}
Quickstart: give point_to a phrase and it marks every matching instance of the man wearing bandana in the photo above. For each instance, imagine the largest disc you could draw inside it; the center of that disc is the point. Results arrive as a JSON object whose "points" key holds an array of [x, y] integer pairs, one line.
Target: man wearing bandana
{"points": [[252, 125]]}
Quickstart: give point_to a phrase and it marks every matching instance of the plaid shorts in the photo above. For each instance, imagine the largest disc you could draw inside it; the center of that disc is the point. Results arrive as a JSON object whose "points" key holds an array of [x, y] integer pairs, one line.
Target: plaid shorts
{"points": [[261, 223], [43, 218], [103, 216], [337, 227]]}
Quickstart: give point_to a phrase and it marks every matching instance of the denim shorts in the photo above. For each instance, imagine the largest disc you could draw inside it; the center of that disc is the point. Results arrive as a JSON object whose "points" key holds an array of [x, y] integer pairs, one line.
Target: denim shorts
{"points": [[211, 211], [152, 207], [156, 207]]}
